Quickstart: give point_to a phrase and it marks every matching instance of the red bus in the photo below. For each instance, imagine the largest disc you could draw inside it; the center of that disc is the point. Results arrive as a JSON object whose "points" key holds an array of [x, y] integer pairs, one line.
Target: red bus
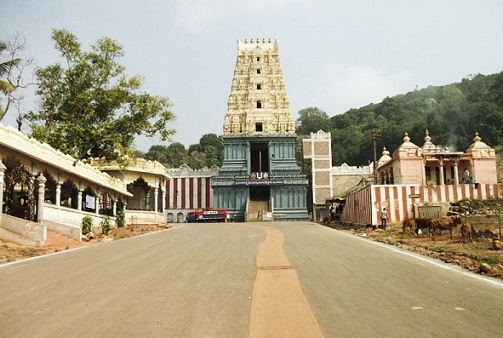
{"points": [[208, 215]]}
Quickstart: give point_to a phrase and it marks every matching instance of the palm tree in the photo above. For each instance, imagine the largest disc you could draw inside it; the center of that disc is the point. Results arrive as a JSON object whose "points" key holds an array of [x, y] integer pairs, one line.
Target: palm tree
{"points": [[6, 86]]}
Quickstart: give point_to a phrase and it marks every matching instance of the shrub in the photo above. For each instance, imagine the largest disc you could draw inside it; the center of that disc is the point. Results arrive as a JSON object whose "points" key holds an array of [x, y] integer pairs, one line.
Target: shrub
{"points": [[105, 225], [87, 225], [121, 218]]}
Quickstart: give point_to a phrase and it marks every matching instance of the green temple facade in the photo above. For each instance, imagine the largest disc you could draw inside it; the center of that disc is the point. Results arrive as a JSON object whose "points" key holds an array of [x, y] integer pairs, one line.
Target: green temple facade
{"points": [[259, 178]]}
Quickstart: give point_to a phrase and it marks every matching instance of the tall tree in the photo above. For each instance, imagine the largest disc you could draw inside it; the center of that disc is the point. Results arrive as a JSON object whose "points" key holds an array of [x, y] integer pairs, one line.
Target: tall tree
{"points": [[213, 147], [12, 67], [6, 86], [90, 108], [158, 153], [311, 120], [176, 155], [196, 159]]}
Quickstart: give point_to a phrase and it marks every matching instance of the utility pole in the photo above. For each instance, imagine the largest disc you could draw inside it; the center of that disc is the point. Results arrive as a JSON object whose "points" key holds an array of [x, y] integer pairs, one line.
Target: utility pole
{"points": [[375, 136]]}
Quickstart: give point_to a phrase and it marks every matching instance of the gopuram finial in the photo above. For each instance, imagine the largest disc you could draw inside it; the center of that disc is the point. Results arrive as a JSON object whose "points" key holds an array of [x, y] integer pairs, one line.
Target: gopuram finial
{"points": [[406, 137], [477, 137]]}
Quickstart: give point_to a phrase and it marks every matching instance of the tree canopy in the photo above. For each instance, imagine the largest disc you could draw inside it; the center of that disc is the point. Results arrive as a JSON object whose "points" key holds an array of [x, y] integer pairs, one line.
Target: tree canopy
{"points": [[207, 153], [89, 107], [312, 119], [452, 114]]}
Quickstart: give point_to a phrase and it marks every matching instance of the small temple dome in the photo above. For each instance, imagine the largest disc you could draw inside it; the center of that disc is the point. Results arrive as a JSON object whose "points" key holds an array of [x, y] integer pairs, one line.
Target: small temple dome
{"points": [[479, 148], [406, 142], [385, 158], [407, 148], [428, 146]]}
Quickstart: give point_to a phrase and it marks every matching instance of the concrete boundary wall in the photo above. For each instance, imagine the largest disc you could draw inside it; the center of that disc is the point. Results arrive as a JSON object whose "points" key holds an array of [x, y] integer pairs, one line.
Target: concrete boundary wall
{"points": [[21, 231], [68, 230]]}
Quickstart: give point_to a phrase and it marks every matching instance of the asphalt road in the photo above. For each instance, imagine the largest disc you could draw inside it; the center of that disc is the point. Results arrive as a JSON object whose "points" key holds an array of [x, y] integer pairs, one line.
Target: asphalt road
{"points": [[197, 280]]}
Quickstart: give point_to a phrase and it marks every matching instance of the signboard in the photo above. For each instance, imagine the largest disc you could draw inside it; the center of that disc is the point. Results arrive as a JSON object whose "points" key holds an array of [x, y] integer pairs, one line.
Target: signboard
{"points": [[90, 202], [258, 182], [414, 196], [429, 211]]}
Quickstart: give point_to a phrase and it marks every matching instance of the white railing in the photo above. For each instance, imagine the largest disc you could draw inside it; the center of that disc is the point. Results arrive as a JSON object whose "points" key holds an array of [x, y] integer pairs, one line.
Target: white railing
{"points": [[71, 216], [143, 217]]}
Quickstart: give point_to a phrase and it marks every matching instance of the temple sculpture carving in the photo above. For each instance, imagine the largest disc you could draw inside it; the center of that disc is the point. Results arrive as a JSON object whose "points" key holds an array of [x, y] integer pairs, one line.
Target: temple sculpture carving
{"points": [[258, 95]]}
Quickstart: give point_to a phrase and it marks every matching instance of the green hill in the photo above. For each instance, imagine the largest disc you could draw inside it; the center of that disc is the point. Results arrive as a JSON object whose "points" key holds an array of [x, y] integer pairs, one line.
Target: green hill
{"points": [[452, 114]]}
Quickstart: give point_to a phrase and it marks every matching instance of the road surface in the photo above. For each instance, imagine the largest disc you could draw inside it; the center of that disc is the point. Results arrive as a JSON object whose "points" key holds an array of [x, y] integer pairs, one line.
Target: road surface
{"points": [[245, 280]]}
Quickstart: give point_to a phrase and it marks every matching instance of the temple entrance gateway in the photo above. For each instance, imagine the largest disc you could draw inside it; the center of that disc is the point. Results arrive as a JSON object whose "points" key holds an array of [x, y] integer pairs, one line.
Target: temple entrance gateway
{"points": [[259, 178], [259, 157], [20, 198], [258, 204]]}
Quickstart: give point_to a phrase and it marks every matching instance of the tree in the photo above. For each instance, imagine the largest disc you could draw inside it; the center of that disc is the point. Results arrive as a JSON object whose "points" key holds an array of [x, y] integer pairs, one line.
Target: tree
{"points": [[311, 120], [213, 147], [176, 155], [11, 74], [6, 85], [158, 153], [90, 108], [196, 159]]}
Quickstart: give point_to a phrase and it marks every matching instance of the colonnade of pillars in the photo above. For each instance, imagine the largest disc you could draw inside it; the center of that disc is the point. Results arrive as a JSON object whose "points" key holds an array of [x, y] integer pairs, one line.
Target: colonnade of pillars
{"points": [[41, 181], [438, 177], [442, 177]]}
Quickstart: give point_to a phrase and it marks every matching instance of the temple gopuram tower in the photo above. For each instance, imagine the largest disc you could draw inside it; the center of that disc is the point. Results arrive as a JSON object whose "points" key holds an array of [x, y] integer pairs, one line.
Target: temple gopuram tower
{"points": [[259, 178]]}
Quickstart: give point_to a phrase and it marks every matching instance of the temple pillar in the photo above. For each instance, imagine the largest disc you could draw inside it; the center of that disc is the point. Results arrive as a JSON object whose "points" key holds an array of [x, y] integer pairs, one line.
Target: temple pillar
{"points": [[456, 173], [79, 200], [163, 192], [423, 180], [441, 172], [2, 173], [156, 199], [58, 194], [41, 180], [97, 204], [114, 208]]}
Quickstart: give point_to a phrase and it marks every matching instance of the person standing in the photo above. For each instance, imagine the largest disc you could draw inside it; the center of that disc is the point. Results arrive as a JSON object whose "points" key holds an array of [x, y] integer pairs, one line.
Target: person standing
{"points": [[384, 218]]}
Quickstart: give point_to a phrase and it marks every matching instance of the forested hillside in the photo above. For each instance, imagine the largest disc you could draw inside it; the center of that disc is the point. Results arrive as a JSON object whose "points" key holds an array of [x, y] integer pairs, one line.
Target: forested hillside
{"points": [[452, 114]]}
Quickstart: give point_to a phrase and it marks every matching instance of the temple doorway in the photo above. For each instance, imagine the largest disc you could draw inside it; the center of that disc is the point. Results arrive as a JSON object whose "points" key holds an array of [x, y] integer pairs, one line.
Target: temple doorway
{"points": [[258, 202], [259, 157], [20, 199]]}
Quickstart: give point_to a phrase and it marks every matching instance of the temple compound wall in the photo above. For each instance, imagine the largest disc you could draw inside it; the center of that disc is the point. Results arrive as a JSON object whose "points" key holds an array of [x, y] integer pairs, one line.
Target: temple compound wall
{"points": [[259, 178], [188, 189]]}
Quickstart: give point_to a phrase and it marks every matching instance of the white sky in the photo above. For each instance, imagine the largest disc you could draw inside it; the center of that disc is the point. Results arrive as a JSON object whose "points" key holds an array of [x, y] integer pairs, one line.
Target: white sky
{"points": [[335, 54]]}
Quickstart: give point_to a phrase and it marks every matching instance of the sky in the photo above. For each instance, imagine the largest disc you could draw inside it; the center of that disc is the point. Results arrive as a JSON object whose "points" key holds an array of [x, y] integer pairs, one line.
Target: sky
{"points": [[335, 54]]}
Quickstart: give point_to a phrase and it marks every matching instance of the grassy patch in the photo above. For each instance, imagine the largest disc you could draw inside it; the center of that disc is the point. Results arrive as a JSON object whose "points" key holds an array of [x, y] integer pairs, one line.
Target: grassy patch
{"points": [[491, 260], [442, 249]]}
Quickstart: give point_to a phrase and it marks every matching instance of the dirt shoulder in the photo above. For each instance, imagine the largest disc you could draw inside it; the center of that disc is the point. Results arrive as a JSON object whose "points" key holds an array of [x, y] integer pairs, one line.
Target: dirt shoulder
{"points": [[477, 256], [10, 252]]}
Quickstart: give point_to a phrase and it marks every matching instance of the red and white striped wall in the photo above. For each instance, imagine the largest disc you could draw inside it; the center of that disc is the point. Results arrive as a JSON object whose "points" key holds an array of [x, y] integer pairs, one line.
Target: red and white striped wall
{"points": [[364, 206], [188, 193]]}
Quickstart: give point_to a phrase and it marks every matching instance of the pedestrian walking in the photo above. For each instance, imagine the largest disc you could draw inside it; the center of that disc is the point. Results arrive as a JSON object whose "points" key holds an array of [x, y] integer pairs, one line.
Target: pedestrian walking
{"points": [[384, 218]]}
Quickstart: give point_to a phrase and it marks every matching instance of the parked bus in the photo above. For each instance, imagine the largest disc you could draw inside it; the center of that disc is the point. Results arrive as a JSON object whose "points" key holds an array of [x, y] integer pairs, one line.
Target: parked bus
{"points": [[207, 215]]}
